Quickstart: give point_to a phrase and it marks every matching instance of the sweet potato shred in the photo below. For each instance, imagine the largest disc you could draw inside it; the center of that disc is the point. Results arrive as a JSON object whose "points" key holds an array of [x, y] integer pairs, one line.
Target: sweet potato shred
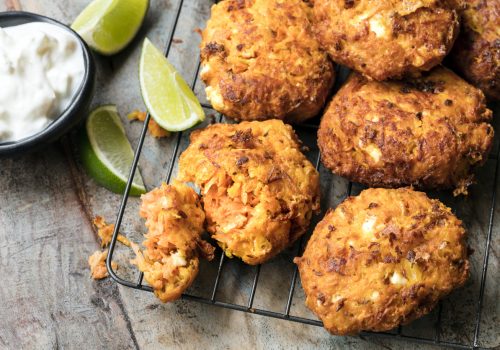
{"points": [[97, 263], [105, 232], [154, 129]]}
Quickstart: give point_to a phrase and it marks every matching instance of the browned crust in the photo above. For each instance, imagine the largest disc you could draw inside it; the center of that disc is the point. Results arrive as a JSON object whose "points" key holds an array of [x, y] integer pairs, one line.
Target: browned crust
{"points": [[386, 38], [429, 132], [259, 191], [260, 60], [382, 259], [173, 244], [476, 54]]}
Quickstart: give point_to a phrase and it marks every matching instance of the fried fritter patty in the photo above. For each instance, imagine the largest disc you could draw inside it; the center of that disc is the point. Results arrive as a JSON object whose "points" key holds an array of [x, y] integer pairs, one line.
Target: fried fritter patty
{"points": [[260, 60], [258, 190], [476, 54], [382, 259], [175, 220], [386, 38], [428, 132]]}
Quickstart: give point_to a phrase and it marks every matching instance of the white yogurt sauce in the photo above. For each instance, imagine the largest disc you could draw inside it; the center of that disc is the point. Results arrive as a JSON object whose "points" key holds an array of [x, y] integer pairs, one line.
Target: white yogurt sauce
{"points": [[41, 69]]}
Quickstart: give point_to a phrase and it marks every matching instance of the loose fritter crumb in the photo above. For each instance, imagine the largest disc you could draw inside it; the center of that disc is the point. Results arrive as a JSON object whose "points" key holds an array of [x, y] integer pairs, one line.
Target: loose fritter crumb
{"points": [[173, 243], [382, 259], [386, 38], [154, 129], [97, 263], [260, 60], [429, 132], [476, 54], [258, 190], [105, 232]]}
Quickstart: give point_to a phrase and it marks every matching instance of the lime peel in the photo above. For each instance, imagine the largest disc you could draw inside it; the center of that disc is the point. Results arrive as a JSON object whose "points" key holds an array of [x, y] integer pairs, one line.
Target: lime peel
{"points": [[108, 26], [169, 99], [106, 152]]}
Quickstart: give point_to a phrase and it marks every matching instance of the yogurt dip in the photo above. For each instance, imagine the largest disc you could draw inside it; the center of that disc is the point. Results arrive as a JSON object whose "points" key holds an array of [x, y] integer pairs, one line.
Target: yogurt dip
{"points": [[41, 69]]}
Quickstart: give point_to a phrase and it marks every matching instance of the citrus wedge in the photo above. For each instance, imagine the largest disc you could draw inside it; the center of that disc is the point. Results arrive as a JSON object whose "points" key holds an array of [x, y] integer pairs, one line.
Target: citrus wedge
{"points": [[107, 26], [169, 99], [106, 152]]}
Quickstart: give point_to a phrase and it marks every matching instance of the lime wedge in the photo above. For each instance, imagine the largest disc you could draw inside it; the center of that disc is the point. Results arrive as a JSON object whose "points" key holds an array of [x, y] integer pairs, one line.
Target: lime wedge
{"points": [[169, 99], [106, 152], [109, 25]]}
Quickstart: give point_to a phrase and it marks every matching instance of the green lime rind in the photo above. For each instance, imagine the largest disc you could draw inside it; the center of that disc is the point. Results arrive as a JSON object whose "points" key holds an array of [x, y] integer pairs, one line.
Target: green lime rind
{"points": [[108, 26], [167, 96], [97, 163]]}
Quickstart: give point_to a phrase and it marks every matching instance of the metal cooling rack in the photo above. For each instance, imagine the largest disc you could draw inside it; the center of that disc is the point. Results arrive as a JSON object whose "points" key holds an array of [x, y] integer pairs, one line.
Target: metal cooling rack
{"points": [[286, 314]]}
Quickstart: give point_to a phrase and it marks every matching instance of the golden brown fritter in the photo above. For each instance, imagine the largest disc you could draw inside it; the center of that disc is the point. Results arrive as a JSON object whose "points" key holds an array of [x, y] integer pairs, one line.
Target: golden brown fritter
{"points": [[386, 38], [258, 190], [260, 60], [476, 54], [428, 132], [382, 259], [175, 220]]}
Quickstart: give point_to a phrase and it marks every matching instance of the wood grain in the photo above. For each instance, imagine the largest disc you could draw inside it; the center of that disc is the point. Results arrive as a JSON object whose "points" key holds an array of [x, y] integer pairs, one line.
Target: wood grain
{"points": [[48, 299]]}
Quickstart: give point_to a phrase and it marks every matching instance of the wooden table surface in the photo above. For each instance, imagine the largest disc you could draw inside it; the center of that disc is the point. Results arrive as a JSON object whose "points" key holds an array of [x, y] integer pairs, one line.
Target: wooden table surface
{"points": [[47, 203]]}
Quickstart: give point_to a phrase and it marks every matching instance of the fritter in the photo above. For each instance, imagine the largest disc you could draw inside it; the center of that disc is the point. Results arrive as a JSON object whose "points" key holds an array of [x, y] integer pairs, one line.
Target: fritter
{"points": [[476, 54], [386, 38], [382, 259], [429, 132], [260, 60], [258, 190], [173, 244]]}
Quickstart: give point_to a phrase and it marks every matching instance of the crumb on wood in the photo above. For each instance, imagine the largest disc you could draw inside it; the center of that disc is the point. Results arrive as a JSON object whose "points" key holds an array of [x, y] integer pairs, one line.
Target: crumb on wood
{"points": [[105, 232], [177, 41], [154, 129], [97, 263]]}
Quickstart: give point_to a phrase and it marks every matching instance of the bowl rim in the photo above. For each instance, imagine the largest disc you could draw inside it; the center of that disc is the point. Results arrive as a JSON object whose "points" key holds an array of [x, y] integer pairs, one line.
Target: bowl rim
{"points": [[67, 118]]}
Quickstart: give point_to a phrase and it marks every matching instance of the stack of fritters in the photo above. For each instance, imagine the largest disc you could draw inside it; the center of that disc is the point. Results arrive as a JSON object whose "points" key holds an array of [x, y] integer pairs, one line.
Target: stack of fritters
{"points": [[259, 191], [429, 130], [386, 257], [380, 259]]}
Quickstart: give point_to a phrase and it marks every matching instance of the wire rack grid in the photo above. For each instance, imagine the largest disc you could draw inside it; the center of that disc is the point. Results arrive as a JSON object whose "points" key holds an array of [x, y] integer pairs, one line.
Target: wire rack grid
{"points": [[286, 314]]}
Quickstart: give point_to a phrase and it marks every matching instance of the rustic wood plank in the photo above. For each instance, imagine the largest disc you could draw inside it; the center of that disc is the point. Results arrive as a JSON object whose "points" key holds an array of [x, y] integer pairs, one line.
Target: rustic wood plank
{"points": [[48, 299]]}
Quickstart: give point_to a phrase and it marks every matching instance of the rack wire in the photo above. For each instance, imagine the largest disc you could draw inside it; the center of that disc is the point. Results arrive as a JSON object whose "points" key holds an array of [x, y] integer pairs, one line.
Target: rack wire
{"points": [[286, 314]]}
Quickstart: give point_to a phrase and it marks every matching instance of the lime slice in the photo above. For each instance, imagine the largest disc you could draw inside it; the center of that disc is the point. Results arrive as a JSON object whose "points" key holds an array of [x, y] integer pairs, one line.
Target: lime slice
{"points": [[109, 25], [106, 152], [168, 98]]}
